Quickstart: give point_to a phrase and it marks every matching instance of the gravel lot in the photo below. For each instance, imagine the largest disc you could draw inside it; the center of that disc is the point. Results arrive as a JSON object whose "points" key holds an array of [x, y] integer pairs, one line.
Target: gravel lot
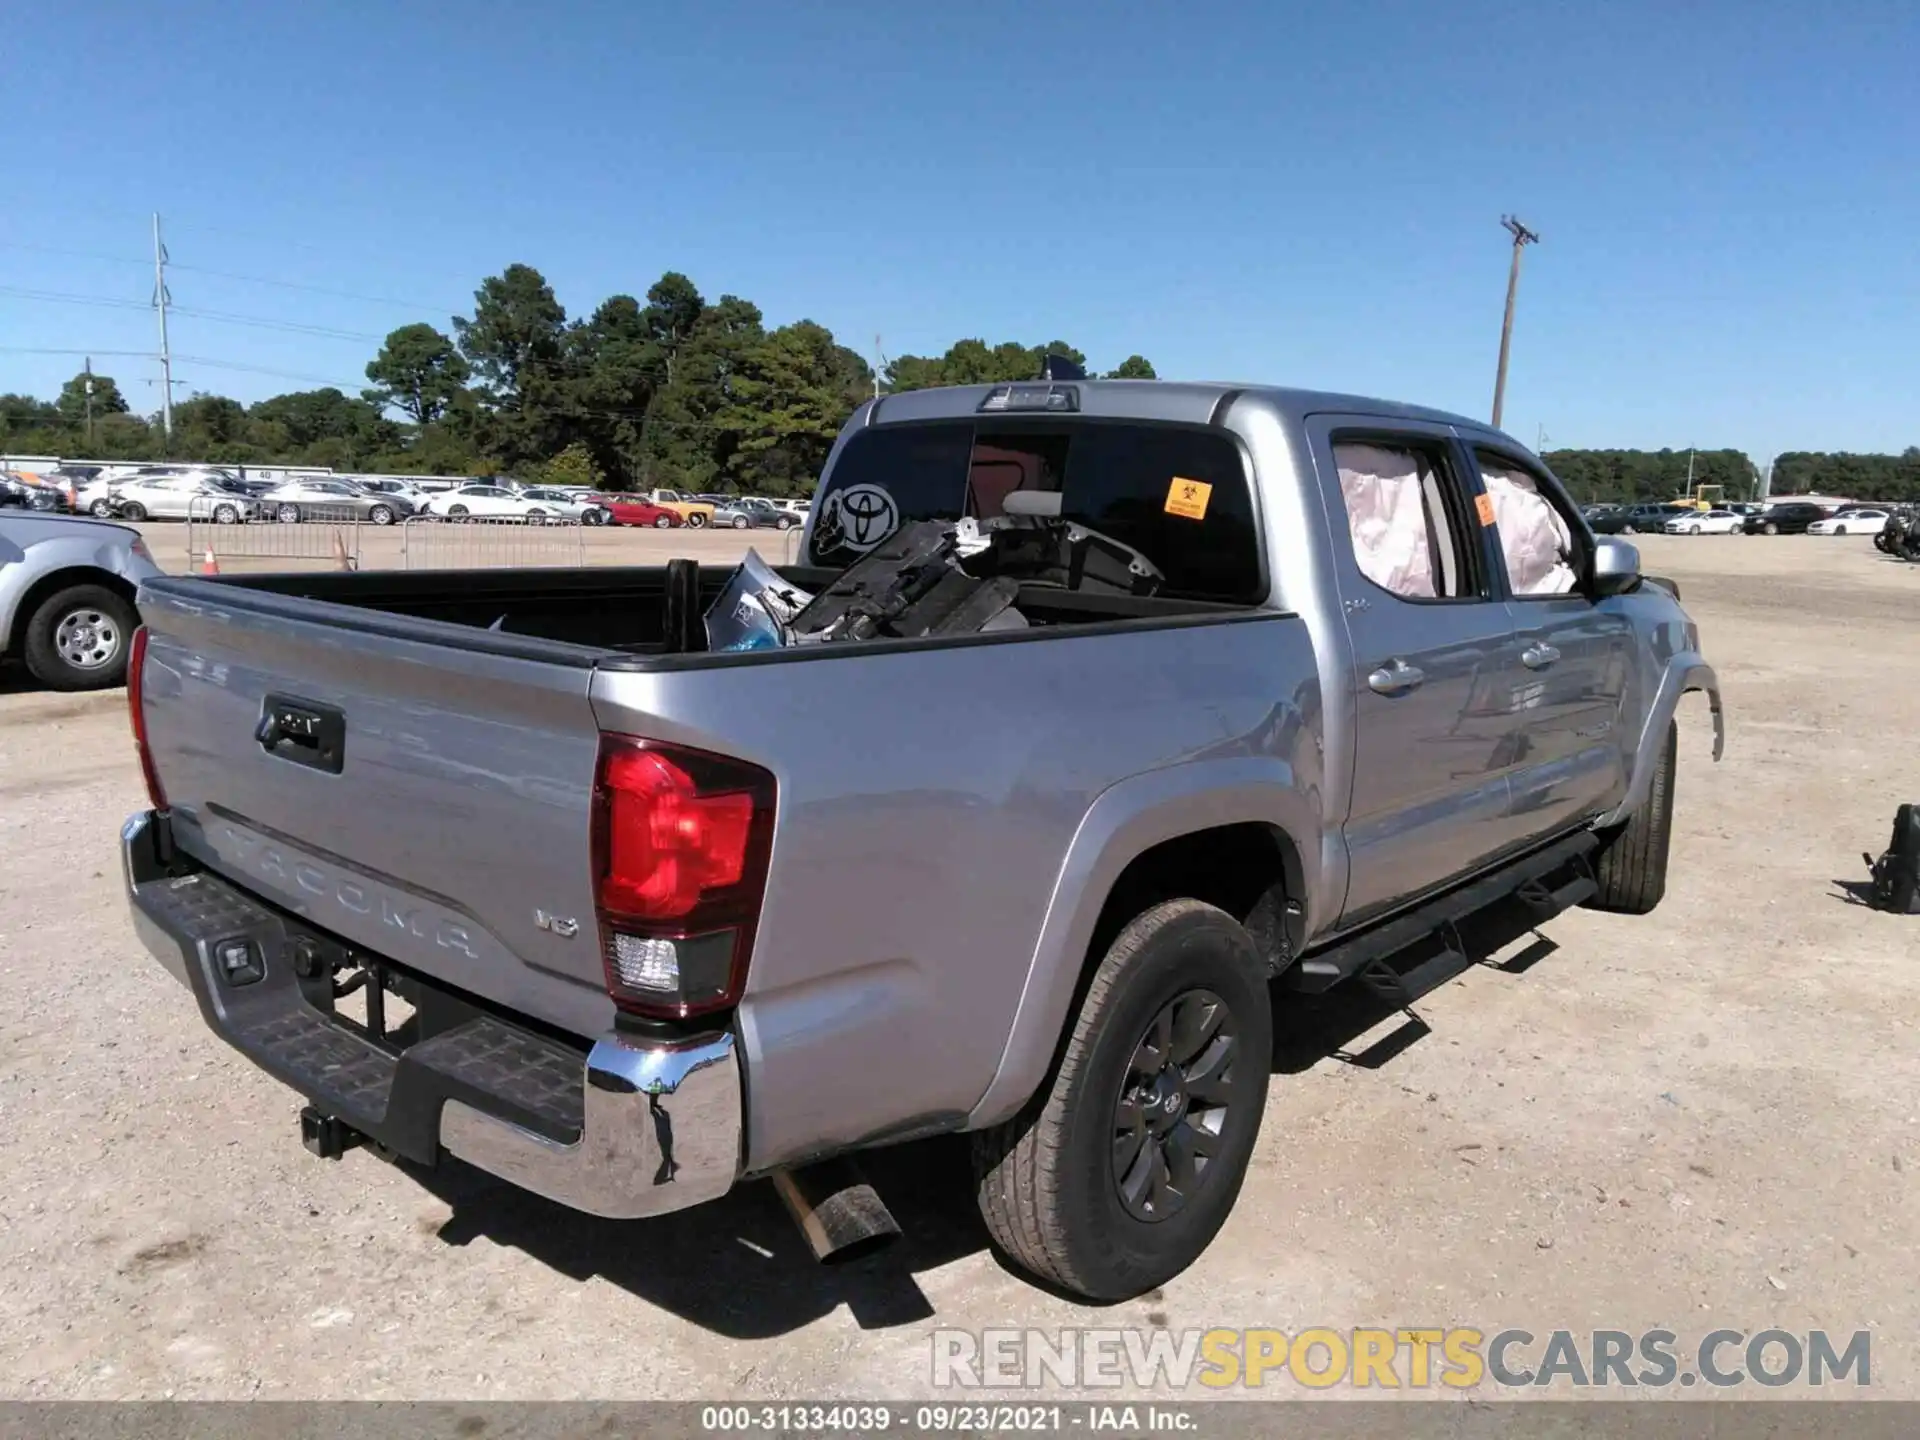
{"points": [[1702, 1119]]}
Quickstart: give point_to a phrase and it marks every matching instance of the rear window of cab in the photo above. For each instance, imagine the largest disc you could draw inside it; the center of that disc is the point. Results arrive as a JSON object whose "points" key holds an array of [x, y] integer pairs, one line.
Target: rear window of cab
{"points": [[1177, 494]]}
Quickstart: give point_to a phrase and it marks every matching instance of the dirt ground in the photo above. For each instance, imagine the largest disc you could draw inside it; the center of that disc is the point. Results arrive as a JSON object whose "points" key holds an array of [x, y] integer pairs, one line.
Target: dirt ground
{"points": [[1701, 1119]]}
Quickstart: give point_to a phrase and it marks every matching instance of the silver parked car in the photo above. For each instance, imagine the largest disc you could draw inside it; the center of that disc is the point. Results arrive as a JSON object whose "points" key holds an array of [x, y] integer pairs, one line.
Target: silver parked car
{"points": [[66, 597], [334, 500]]}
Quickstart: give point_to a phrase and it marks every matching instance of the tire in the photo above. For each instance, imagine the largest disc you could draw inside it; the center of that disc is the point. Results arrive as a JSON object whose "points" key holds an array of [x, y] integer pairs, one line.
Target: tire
{"points": [[101, 510], [457, 512], [1629, 529], [1632, 865], [381, 514], [741, 522], [57, 647], [288, 514], [663, 522], [1046, 1180], [1839, 529], [226, 515], [696, 521], [1769, 529], [132, 511], [783, 523]]}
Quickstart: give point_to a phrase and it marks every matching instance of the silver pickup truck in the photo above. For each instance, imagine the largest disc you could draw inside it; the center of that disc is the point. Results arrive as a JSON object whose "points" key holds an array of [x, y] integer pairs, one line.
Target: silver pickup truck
{"points": [[508, 866]]}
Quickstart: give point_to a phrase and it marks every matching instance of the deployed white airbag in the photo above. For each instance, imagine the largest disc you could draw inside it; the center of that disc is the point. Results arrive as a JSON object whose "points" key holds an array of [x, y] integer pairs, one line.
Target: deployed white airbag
{"points": [[1533, 536], [1387, 514]]}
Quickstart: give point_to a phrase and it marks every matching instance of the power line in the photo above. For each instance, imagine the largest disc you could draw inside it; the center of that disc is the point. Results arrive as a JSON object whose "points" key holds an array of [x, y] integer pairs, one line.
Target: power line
{"points": [[63, 297], [261, 322], [320, 290], [296, 327]]}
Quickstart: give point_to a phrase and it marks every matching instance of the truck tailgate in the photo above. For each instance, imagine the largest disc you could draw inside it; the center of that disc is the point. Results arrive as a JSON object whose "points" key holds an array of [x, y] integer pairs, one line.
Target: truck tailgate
{"points": [[445, 827]]}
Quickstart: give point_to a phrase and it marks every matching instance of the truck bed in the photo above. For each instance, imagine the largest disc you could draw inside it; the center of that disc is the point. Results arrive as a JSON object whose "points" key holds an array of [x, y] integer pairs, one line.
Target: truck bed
{"points": [[615, 617]]}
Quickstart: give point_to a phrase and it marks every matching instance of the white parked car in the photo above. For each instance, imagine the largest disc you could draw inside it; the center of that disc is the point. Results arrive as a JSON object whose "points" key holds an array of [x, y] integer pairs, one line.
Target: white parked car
{"points": [[1706, 522], [487, 502], [1851, 522], [568, 504]]}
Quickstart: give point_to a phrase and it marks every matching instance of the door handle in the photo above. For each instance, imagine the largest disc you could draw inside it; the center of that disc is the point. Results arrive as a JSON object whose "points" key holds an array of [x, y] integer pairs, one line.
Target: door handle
{"points": [[1396, 677], [1539, 656]]}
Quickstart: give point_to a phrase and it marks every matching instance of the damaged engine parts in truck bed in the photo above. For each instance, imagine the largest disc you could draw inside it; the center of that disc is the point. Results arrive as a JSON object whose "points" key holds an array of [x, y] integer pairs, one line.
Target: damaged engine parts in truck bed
{"points": [[931, 578]]}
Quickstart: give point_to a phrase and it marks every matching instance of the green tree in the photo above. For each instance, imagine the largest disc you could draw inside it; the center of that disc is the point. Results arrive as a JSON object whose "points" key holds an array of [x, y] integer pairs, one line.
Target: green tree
{"points": [[417, 372], [973, 362], [786, 402], [1134, 367], [688, 443], [573, 466], [322, 427], [515, 343], [212, 427], [107, 399]]}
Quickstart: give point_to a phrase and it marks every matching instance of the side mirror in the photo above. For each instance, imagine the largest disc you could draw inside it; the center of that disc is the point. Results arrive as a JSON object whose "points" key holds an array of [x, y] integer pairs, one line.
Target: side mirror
{"points": [[1616, 567]]}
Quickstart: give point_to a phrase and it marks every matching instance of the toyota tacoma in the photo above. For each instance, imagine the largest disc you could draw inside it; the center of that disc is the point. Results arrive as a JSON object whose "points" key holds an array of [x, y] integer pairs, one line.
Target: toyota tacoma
{"points": [[517, 867]]}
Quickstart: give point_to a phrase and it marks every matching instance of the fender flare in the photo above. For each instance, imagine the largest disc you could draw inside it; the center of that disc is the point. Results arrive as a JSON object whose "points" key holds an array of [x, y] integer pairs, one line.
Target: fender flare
{"points": [[1684, 673], [1125, 820]]}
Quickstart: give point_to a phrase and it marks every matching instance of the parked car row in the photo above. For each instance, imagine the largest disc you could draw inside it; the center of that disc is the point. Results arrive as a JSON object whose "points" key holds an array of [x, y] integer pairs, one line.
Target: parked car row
{"points": [[1786, 518]]}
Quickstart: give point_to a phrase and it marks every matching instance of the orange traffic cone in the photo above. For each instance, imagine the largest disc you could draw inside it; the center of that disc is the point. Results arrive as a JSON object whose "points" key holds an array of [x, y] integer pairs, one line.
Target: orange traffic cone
{"points": [[341, 560], [209, 566]]}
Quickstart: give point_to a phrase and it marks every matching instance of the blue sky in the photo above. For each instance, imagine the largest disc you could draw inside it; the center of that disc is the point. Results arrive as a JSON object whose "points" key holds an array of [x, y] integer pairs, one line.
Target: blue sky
{"points": [[1727, 193]]}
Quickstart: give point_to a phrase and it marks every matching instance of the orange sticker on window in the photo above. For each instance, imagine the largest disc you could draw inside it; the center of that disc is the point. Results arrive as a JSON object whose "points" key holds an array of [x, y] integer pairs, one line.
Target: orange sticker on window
{"points": [[1188, 498], [1484, 505]]}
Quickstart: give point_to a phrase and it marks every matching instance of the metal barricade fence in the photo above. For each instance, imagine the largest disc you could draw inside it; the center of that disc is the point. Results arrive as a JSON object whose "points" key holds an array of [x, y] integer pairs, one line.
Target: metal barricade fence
{"points": [[472, 542], [246, 533]]}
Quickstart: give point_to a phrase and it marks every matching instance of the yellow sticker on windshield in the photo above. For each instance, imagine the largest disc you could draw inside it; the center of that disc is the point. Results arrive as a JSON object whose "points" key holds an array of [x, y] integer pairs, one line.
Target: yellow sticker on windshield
{"points": [[1484, 504], [1188, 498]]}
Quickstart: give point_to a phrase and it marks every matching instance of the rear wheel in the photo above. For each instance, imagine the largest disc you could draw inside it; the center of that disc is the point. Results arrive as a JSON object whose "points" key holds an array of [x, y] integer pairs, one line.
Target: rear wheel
{"points": [[741, 522], [1629, 529], [1632, 865], [1119, 1173], [457, 512], [226, 515], [101, 509], [696, 520], [1769, 529], [663, 522], [78, 639], [785, 522], [381, 514], [133, 510], [287, 514]]}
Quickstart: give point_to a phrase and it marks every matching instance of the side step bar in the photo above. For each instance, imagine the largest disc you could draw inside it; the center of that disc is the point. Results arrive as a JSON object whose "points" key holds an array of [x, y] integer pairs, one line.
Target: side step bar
{"points": [[1367, 953]]}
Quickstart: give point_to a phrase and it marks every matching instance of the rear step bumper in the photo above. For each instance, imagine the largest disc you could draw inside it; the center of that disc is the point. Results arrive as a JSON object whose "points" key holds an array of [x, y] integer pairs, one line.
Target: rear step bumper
{"points": [[627, 1129]]}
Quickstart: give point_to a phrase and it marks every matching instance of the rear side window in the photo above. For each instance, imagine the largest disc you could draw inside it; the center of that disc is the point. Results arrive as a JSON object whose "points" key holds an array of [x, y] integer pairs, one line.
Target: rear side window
{"points": [[1177, 495]]}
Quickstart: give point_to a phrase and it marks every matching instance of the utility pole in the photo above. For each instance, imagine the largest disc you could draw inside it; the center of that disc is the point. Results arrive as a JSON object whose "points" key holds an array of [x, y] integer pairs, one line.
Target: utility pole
{"points": [[1521, 237], [161, 299], [89, 404]]}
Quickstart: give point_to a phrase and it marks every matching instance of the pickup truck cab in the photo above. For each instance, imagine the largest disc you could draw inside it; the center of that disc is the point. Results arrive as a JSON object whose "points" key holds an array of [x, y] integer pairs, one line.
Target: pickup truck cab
{"points": [[670, 918]]}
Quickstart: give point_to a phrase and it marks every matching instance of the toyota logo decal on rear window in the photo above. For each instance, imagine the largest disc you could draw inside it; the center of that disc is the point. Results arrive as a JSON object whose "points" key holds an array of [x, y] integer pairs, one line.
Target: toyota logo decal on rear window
{"points": [[864, 515]]}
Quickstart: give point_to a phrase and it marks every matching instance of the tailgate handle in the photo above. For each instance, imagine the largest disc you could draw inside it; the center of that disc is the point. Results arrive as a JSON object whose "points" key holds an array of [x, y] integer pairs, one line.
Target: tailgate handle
{"points": [[303, 732]]}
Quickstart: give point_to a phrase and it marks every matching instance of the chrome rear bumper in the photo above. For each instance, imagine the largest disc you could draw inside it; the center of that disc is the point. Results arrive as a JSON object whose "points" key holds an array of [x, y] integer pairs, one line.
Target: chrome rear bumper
{"points": [[635, 1128]]}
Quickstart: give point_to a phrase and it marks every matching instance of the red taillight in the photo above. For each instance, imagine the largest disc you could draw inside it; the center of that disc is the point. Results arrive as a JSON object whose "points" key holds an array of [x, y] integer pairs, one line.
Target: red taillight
{"points": [[681, 843], [137, 713]]}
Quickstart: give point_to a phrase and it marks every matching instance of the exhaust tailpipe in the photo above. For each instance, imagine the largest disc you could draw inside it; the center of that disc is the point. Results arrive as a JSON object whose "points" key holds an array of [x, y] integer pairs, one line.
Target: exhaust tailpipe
{"points": [[837, 1210]]}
